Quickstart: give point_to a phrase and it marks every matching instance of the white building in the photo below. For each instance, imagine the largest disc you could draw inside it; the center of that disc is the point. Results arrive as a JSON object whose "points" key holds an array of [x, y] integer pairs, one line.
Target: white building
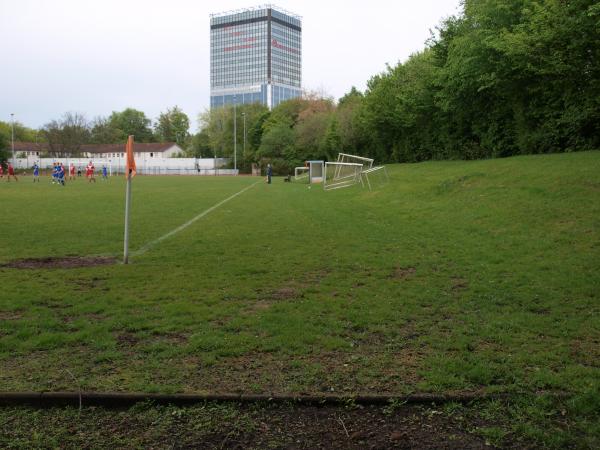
{"points": [[142, 150], [151, 159]]}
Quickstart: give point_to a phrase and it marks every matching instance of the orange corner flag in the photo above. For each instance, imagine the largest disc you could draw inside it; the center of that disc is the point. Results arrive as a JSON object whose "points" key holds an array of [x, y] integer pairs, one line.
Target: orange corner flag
{"points": [[130, 165]]}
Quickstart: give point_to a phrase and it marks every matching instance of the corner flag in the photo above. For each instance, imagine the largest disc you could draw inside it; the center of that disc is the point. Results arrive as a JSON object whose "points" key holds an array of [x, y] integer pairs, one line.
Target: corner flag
{"points": [[129, 173], [130, 164]]}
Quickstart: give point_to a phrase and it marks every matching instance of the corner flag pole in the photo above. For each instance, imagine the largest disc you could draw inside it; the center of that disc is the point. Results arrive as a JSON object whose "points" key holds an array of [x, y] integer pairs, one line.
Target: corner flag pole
{"points": [[129, 173]]}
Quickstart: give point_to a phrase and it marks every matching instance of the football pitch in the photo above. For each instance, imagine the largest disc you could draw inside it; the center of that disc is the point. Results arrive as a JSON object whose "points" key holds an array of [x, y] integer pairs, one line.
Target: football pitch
{"points": [[454, 277]]}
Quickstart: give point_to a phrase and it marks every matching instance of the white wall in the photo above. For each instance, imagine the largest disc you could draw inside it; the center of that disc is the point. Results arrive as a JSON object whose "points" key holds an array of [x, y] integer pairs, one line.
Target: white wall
{"points": [[145, 166]]}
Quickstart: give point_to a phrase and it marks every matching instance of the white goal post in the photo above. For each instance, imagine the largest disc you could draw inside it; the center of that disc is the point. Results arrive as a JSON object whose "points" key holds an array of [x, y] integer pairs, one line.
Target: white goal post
{"points": [[341, 174]]}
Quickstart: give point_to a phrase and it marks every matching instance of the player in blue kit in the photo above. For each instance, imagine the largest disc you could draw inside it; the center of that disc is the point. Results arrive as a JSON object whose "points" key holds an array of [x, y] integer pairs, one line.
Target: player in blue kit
{"points": [[54, 173], [60, 173], [36, 173]]}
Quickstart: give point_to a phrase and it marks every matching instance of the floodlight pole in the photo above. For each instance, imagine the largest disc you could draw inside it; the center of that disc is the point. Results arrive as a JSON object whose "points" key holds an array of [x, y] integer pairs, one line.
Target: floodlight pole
{"points": [[12, 132], [244, 148], [234, 134]]}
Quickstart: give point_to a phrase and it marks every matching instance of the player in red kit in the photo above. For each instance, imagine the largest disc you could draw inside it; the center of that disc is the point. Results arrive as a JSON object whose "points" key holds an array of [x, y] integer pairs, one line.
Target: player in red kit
{"points": [[89, 172], [11, 172]]}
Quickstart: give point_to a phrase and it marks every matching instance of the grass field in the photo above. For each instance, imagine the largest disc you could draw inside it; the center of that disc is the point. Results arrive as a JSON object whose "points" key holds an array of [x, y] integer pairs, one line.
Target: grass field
{"points": [[456, 276]]}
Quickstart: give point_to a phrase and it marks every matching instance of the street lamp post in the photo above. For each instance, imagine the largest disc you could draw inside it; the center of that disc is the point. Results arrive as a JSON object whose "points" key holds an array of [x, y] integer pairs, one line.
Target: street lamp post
{"points": [[12, 132], [234, 133], [244, 148]]}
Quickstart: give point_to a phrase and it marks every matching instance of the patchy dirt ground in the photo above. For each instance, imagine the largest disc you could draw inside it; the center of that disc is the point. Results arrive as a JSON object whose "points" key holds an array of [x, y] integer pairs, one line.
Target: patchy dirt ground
{"points": [[240, 427], [68, 262]]}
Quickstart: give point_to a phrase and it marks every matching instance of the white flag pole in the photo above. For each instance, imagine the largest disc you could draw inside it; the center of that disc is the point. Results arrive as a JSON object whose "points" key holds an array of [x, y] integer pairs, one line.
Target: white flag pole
{"points": [[127, 208]]}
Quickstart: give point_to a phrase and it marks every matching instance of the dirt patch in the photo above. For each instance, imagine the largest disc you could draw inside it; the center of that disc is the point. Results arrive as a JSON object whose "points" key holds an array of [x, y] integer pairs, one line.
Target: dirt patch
{"points": [[127, 339], [332, 372], [401, 273], [257, 307], [85, 285], [95, 317], [285, 294], [459, 284], [214, 426], [68, 262], [343, 428], [9, 315], [172, 338], [586, 352]]}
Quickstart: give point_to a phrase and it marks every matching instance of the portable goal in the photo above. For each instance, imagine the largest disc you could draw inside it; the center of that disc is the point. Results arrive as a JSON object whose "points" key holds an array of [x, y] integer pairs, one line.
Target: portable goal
{"points": [[375, 176], [367, 163], [301, 173], [341, 174], [315, 171]]}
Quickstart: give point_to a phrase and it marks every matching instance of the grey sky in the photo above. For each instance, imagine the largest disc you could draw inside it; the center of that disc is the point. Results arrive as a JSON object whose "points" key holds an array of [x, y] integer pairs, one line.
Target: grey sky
{"points": [[96, 56]]}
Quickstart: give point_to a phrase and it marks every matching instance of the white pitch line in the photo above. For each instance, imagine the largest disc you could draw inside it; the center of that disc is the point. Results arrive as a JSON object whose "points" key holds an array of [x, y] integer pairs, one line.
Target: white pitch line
{"points": [[151, 244]]}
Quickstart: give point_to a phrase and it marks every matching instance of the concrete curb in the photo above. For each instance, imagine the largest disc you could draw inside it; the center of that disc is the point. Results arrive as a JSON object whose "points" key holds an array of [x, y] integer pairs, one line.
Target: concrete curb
{"points": [[123, 399]]}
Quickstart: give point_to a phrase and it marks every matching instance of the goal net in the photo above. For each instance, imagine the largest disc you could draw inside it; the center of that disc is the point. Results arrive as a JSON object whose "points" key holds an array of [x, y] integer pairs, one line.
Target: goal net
{"points": [[341, 174], [375, 177], [301, 173]]}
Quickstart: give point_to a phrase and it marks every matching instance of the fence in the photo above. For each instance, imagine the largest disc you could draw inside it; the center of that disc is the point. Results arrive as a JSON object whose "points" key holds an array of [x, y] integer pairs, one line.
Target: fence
{"points": [[145, 166]]}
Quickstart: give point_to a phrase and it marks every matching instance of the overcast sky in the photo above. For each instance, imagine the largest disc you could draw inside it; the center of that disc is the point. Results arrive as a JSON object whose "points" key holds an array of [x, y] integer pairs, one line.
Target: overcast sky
{"points": [[99, 56]]}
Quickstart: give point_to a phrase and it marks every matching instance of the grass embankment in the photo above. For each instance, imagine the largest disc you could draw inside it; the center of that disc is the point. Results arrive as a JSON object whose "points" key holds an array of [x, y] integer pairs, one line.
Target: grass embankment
{"points": [[457, 276]]}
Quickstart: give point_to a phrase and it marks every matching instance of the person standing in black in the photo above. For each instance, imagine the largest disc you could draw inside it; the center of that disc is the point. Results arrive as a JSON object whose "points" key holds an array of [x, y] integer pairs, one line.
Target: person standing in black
{"points": [[269, 173]]}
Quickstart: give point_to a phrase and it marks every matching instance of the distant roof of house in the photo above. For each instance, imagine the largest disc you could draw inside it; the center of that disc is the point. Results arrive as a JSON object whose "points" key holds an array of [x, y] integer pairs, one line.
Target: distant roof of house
{"points": [[29, 146], [138, 147], [154, 147]]}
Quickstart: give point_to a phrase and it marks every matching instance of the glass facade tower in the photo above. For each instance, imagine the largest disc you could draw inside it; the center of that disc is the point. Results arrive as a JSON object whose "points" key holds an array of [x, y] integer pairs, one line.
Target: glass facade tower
{"points": [[255, 56]]}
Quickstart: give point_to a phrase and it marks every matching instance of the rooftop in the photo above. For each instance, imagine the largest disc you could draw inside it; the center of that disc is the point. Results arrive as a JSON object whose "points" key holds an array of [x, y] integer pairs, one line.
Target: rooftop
{"points": [[256, 8], [138, 147]]}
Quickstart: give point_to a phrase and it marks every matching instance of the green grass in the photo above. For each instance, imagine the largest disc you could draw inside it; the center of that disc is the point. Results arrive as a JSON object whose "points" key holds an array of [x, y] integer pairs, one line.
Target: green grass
{"points": [[456, 276]]}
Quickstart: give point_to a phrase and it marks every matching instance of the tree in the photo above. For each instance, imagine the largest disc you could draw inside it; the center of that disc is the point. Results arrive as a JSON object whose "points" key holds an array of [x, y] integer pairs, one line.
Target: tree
{"points": [[132, 122], [200, 146], [103, 132], [22, 133], [67, 135], [277, 147], [331, 144], [172, 126], [3, 146], [218, 126], [354, 135]]}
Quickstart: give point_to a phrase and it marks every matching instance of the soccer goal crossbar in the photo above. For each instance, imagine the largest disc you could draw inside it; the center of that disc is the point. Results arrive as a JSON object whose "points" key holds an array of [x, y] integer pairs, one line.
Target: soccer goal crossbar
{"points": [[347, 158]]}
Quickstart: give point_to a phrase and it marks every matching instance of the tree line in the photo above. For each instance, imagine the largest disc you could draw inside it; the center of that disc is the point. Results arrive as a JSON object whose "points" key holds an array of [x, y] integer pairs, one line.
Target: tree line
{"points": [[66, 135], [501, 78]]}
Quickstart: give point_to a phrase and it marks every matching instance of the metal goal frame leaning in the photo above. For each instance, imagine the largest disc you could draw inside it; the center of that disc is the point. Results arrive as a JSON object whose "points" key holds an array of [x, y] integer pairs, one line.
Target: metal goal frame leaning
{"points": [[301, 173], [338, 175], [368, 174], [347, 158]]}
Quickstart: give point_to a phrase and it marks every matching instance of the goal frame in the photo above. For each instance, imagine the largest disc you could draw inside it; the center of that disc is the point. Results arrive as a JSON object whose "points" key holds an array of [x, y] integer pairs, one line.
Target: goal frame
{"points": [[338, 180], [365, 174], [348, 158], [301, 173]]}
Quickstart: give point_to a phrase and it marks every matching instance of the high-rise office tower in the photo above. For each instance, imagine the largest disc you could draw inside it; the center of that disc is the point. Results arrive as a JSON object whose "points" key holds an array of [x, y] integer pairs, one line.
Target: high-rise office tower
{"points": [[255, 56]]}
